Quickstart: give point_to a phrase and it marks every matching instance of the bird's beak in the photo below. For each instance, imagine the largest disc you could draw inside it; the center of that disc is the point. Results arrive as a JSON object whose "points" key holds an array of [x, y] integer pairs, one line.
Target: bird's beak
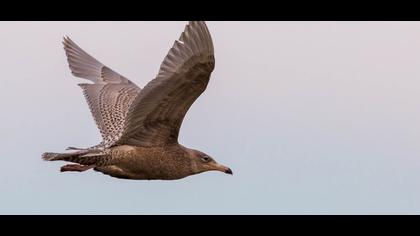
{"points": [[224, 169]]}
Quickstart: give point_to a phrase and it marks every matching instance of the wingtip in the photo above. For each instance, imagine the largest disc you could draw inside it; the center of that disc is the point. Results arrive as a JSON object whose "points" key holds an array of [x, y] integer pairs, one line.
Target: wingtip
{"points": [[66, 40], [202, 22]]}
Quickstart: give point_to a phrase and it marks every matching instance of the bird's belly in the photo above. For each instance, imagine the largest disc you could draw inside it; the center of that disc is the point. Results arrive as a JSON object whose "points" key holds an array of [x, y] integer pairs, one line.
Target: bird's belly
{"points": [[143, 171]]}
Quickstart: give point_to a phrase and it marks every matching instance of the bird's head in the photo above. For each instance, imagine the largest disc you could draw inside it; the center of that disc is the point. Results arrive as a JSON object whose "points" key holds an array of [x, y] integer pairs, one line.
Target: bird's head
{"points": [[202, 162]]}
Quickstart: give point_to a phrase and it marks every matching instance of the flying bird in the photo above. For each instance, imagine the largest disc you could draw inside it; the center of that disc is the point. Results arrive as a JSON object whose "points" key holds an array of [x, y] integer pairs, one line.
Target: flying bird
{"points": [[140, 126]]}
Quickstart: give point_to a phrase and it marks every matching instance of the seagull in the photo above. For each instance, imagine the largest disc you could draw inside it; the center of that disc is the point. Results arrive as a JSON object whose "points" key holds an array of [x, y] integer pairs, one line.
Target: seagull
{"points": [[140, 127]]}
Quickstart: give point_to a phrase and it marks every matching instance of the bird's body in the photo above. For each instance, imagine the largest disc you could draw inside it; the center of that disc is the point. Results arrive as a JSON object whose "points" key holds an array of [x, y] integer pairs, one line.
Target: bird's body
{"points": [[140, 127], [131, 162], [148, 163]]}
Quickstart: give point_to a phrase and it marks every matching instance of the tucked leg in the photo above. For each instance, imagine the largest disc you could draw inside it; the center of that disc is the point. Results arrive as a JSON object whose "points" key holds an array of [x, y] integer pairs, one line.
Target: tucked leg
{"points": [[75, 168]]}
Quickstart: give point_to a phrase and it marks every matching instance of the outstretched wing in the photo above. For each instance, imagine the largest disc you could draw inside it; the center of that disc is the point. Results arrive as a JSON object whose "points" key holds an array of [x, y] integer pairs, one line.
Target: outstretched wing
{"points": [[156, 114], [110, 95]]}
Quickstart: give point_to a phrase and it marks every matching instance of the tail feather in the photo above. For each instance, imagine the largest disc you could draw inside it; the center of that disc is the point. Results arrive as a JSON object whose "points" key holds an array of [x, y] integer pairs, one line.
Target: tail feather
{"points": [[50, 156], [81, 157], [72, 157]]}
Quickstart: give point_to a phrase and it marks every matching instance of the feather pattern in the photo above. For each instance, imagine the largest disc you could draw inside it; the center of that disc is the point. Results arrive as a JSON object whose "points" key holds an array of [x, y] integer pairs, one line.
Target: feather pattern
{"points": [[110, 95], [155, 116]]}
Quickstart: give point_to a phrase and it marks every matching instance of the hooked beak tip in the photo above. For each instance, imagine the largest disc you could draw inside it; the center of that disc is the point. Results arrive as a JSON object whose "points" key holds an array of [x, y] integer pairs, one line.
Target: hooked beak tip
{"points": [[229, 171]]}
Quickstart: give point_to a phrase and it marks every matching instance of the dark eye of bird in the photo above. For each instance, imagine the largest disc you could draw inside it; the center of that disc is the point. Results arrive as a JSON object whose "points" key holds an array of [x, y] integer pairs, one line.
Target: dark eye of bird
{"points": [[205, 159]]}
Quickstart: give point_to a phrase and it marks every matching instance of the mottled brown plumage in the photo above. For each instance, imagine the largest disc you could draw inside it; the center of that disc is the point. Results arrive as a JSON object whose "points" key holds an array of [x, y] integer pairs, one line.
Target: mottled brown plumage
{"points": [[140, 127]]}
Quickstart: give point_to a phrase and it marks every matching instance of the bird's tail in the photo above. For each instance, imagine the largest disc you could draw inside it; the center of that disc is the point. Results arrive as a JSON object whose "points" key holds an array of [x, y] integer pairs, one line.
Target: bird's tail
{"points": [[50, 156], [85, 157]]}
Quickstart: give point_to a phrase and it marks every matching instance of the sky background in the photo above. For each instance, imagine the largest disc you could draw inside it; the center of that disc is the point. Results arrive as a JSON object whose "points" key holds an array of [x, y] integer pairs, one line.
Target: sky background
{"points": [[313, 118]]}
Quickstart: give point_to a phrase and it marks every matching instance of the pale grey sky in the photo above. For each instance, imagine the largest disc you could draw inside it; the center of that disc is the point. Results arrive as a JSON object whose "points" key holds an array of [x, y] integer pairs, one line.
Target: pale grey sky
{"points": [[313, 118]]}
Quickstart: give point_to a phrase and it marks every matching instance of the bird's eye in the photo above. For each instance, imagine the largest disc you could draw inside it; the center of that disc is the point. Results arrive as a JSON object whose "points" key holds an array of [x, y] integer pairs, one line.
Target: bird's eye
{"points": [[205, 159]]}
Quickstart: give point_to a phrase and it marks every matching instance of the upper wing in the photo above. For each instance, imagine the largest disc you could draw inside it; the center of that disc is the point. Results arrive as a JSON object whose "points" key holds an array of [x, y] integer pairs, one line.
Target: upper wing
{"points": [[156, 115], [110, 95]]}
